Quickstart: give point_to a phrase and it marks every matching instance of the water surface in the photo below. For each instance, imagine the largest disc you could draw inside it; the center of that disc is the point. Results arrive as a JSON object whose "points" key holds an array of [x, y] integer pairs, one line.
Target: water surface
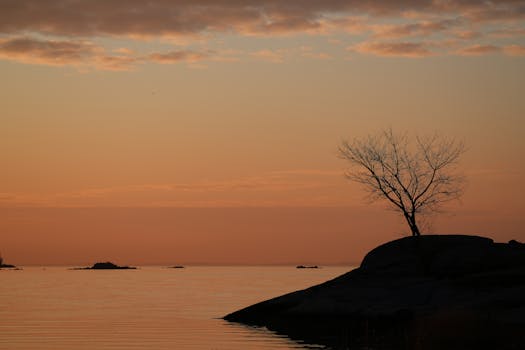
{"points": [[148, 308]]}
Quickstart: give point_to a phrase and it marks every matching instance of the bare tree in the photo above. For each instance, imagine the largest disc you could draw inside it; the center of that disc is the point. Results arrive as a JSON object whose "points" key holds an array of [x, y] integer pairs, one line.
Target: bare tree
{"points": [[416, 176]]}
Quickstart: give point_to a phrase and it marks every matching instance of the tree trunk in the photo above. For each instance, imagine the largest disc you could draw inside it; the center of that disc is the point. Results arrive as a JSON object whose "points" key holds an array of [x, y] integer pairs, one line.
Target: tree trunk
{"points": [[413, 226], [411, 220]]}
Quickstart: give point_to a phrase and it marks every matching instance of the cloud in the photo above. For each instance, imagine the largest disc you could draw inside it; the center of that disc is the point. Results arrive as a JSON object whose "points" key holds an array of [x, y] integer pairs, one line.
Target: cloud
{"points": [[179, 56], [85, 54], [477, 50], [424, 28], [393, 49], [515, 50], [62, 53], [47, 51], [467, 34], [508, 33], [65, 32], [274, 56], [496, 12], [185, 17], [278, 188]]}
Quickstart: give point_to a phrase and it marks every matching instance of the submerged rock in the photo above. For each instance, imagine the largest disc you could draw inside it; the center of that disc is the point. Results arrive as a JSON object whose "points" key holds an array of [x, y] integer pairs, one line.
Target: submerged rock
{"points": [[428, 292]]}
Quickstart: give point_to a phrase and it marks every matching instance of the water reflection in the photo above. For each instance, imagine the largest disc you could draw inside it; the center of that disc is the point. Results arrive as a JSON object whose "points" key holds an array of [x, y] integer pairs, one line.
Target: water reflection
{"points": [[150, 308]]}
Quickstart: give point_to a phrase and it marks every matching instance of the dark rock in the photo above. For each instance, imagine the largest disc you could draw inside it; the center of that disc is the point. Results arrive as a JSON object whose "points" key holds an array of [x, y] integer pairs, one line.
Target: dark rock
{"points": [[106, 266], [7, 266], [307, 267], [177, 267], [428, 292]]}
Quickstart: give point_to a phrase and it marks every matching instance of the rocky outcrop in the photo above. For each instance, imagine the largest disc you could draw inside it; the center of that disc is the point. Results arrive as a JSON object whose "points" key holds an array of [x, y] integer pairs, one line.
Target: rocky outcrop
{"points": [[428, 292]]}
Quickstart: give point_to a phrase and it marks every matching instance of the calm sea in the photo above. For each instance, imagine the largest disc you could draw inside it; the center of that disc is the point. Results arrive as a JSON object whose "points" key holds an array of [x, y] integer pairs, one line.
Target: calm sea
{"points": [[149, 308]]}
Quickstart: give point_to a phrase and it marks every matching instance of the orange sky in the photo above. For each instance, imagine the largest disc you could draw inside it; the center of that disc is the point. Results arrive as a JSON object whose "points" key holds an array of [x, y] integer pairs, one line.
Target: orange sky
{"points": [[206, 132]]}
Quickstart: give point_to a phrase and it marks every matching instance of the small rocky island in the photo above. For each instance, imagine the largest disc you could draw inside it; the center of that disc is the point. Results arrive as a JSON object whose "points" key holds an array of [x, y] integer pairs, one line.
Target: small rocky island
{"points": [[106, 266], [307, 267], [429, 292]]}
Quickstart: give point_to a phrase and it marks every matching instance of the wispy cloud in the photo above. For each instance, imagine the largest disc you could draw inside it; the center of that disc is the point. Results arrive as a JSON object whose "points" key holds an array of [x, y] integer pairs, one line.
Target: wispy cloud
{"points": [[515, 50], [477, 50], [85, 54], [292, 187], [274, 56], [395, 49], [418, 29], [179, 56]]}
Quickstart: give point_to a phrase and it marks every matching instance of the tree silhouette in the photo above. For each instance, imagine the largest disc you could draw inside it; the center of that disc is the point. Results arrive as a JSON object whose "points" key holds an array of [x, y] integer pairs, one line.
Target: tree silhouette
{"points": [[416, 176]]}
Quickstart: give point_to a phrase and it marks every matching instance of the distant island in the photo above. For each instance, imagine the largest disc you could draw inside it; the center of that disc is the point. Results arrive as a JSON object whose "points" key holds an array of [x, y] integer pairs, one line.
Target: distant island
{"points": [[430, 292], [7, 266], [105, 266], [307, 267]]}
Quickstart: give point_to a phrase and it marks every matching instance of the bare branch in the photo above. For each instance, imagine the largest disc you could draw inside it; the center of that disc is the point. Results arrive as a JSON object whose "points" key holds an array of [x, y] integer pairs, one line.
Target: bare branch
{"points": [[416, 177]]}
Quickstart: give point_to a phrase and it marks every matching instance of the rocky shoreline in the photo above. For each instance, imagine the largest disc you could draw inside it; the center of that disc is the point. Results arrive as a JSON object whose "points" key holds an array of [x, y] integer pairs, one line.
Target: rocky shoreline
{"points": [[428, 292]]}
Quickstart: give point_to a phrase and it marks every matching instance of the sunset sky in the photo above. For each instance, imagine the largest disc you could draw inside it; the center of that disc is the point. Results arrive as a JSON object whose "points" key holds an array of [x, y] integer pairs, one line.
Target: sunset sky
{"points": [[167, 132]]}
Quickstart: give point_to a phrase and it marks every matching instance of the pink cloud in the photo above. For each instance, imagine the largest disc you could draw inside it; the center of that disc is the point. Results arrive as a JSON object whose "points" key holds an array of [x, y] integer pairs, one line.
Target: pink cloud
{"points": [[273, 56], [179, 56], [47, 51], [67, 31], [84, 54], [424, 28], [393, 49], [515, 50], [477, 50], [160, 17], [279, 188]]}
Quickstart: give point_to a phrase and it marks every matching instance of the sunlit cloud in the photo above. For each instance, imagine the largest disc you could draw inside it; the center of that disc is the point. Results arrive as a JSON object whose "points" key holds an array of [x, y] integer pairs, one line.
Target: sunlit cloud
{"points": [[274, 56], [467, 34], [47, 51], [393, 49], [179, 56], [424, 28], [62, 53], [86, 55], [477, 50], [60, 32], [508, 33], [515, 50]]}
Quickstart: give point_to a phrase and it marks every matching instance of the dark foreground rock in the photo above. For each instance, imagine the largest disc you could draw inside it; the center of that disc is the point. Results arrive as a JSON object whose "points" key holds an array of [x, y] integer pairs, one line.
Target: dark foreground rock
{"points": [[106, 266], [429, 292]]}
